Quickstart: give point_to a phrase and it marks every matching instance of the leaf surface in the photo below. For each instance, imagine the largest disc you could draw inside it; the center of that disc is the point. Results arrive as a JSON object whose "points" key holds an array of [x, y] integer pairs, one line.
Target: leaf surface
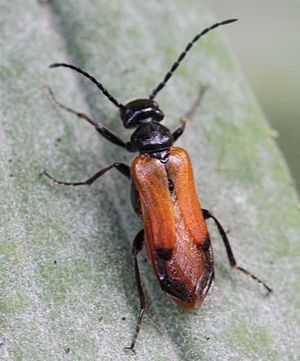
{"points": [[67, 286]]}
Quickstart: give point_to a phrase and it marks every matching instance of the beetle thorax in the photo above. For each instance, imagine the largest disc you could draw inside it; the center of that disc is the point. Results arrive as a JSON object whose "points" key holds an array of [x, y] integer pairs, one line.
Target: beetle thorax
{"points": [[151, 137]]}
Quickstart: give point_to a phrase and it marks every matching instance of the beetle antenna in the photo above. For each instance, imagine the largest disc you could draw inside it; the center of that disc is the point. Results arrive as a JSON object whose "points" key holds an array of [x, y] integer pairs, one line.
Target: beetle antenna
{"points": [[183, 54], [94, 80]]}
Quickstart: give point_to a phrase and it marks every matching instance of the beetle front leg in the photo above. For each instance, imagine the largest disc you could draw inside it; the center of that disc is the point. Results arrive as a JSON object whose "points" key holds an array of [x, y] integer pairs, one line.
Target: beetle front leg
{"points": [[230, 255], [122, 168], [179, 131], [136, 248], [106, 133]]}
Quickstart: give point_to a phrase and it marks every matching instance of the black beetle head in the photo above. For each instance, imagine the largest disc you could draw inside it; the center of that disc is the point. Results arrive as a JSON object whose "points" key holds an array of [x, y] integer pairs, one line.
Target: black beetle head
{"points": [[139, 111]]}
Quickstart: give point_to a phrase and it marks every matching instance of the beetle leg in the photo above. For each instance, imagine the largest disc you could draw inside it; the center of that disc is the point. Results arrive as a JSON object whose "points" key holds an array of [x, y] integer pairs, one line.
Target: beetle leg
{"points": [[122, 168], [178, 132], [230, 255], [197, 102], [136, 248], [135, 199], [106, 133]]}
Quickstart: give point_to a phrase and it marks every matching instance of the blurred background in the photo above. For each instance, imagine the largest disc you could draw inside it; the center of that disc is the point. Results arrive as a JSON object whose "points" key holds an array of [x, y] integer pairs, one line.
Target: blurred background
{"points": [[266, 42]]}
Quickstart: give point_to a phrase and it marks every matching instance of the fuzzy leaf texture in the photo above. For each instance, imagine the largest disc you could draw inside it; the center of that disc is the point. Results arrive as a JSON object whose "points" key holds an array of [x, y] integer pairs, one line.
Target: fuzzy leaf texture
{"points": [[67, 285]]}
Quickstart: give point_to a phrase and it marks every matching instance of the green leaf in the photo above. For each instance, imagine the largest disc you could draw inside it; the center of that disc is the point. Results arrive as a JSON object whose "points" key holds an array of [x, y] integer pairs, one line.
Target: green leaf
{"points": [[67, 286]]}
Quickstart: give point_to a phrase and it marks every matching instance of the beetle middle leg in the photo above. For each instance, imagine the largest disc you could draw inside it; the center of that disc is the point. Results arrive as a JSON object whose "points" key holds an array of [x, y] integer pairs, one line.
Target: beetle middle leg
{"points": [[179, 131], [122, 168], [136, 248], [105, 132], [230, 255]]}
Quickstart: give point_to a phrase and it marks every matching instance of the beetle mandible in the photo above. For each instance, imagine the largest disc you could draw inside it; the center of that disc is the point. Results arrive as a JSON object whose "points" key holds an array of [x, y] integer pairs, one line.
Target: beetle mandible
{"points": [[163, 195]]}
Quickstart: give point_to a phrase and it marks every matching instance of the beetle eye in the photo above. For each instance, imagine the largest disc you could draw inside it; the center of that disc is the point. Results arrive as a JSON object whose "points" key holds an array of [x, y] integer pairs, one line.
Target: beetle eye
{"points": [[126, 113]]}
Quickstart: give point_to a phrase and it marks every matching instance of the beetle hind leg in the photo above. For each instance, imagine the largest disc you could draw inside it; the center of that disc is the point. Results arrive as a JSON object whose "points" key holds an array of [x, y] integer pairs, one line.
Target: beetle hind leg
{"points": [[230, 255], [136, 248]]}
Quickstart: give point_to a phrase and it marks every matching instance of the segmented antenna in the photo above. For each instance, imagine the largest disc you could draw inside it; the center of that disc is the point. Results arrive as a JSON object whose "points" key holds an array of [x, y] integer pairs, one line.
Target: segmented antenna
{"points": [[94, 80], [183, 54]]}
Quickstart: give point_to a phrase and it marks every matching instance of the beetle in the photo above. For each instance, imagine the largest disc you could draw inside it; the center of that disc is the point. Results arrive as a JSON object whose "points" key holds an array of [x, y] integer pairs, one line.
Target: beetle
{"points": [[163, 195]]}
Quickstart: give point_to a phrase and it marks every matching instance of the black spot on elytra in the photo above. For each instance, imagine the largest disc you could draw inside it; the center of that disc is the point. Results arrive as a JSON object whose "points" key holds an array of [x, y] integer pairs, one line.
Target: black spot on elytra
{"points": [[205, 244], [175, 288], [164, 253]]}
